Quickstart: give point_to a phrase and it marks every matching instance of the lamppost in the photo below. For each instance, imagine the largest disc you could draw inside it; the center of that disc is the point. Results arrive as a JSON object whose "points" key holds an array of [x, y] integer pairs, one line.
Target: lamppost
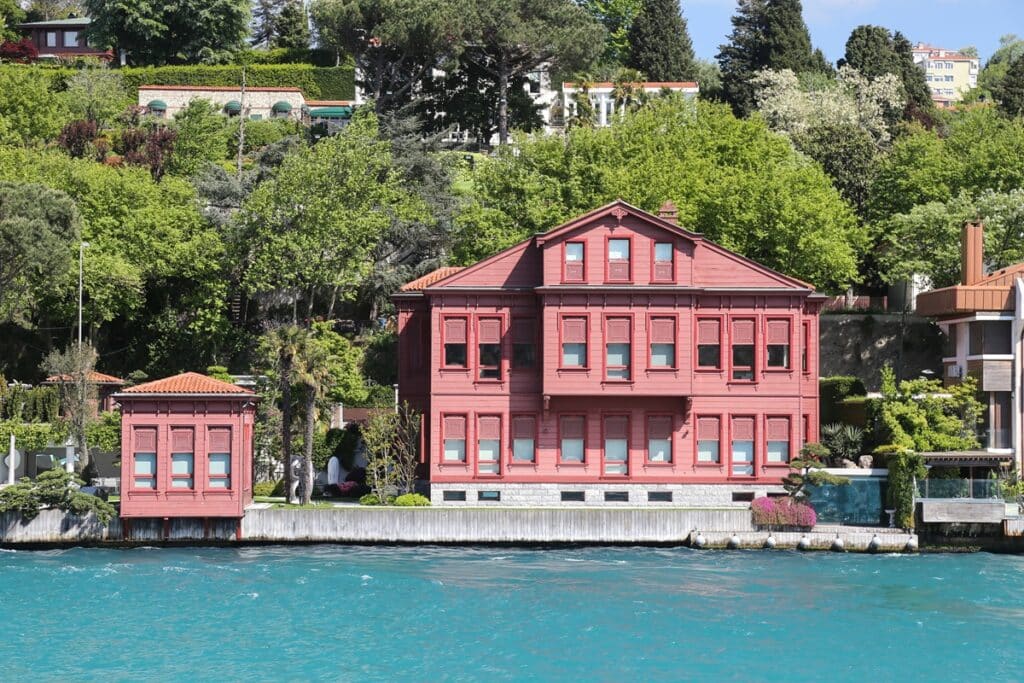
{"points": [[82, 246]]}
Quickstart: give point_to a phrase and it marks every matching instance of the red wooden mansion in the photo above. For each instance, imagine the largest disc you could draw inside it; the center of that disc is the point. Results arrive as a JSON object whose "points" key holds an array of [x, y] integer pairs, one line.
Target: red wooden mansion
{"points": [[615, 359]]}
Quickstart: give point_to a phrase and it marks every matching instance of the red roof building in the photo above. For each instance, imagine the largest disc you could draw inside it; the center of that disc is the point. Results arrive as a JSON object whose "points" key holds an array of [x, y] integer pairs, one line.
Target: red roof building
{"points": [[106, 385], [186, 448], [617, 358]]}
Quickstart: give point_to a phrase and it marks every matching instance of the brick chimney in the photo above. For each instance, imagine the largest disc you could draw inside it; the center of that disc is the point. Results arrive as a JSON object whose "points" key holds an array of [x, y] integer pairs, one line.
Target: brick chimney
{"points": [[668, 212], [972, 252]]}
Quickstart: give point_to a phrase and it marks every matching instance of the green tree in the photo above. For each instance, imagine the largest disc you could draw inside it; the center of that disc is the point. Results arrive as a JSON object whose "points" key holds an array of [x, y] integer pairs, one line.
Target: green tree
{"points": [[313, 375], [617, 17], [787, 40], [310, 228], [1010, 91], [1011, 46], [343, 363], [392, 450], [732, 179], [202, 137], [264, 18], [38, 227], [291, 30], [11, 14], [72, 367], [508, 40], [659, 42], [97, 95], [181, 32], [280, 347], [394, 44], [874, 52], [48, 10], [30, 113]]}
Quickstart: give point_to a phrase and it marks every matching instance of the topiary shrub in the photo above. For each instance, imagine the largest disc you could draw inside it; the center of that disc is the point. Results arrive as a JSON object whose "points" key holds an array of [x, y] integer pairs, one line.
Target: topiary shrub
{"points": [[369, 499], [269, 488], [783, 512], [56, 489], [412, 500]]}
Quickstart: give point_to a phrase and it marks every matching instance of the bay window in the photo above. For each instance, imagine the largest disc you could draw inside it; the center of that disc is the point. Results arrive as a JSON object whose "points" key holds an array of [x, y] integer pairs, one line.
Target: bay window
{"points": [[219, 459], [571, 430], [709, 431], [663, 342], [574, 342], [454, 435], [618, 348], [182, 459], [742, 447], [777, 436], [659, 438], [524, 434], [616, 444], [144, 459], [488, 444]]}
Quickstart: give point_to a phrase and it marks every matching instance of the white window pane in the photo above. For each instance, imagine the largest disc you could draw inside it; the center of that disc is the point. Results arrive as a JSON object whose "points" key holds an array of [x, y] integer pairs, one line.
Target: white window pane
{"points": [[181, 463], [616, 468], [522, 450], [574, 251], [70, 38], [220, 483], [622, 373], [778, 451], [618, 250], [51, 39], [455, 450], [572, 450], [663, 355], [220, 464], [618, 354], [145, 483], [488, 449], [662, 252], [707, 451], [574, 355], [615, 449], [742, 457], [181, 483], [145, 464], [659, 450]]}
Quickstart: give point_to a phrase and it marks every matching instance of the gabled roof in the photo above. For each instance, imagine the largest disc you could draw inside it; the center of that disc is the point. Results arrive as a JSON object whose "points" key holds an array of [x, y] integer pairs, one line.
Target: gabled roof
{"points": [[68, 23], [1003, 276], [188, 383], [94, 378], [618, 210], [430, 278]]}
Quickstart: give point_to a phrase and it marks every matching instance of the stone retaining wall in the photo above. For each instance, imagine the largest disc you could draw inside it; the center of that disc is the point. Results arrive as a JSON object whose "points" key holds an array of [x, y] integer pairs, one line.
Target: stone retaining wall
{"points": [[541, 495]]}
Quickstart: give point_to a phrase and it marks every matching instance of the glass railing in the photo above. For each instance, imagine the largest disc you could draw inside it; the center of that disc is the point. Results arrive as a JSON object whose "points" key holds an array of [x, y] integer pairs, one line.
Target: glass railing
{"points": [[986, 489]]}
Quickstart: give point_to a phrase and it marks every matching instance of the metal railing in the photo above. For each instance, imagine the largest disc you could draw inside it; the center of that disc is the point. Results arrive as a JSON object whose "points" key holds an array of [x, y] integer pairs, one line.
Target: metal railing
{"points": [[981, 489]]}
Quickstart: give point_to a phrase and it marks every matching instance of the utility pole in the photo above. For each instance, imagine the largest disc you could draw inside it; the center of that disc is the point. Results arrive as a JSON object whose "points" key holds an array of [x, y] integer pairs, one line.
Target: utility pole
{"points": [[82, 246]]}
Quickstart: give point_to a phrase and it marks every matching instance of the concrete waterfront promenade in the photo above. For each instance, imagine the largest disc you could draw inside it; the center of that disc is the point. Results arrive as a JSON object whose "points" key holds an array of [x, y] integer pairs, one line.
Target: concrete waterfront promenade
{"points": [[709, 528]]}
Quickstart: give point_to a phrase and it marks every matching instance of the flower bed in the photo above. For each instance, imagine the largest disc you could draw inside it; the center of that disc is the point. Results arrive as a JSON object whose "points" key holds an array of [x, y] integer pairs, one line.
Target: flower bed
{"points": [[783, 512]]}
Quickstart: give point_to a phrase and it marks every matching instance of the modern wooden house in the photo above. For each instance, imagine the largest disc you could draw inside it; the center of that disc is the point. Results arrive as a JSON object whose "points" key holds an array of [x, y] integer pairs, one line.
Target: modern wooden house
{"points": [[186, 448], [983, 318], [62, 39], [615, 359]]}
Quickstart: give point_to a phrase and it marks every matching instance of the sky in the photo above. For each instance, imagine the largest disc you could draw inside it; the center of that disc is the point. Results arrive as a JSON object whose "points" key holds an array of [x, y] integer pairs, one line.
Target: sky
{"points": [[945, 23]]}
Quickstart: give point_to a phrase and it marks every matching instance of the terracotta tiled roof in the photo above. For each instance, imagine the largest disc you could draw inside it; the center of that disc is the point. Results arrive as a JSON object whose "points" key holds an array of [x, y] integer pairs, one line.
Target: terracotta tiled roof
{"points": [[218, 88], [187, 383], [430, 278], [94, 377]]}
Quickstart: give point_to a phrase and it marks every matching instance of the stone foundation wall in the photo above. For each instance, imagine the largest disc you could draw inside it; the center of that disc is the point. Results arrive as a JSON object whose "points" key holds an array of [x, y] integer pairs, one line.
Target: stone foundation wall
{"points": [[550, 495]]}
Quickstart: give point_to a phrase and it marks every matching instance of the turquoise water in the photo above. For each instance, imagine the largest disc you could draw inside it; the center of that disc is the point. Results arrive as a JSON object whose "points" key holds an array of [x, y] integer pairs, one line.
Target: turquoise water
{"points": [[499, 614]]}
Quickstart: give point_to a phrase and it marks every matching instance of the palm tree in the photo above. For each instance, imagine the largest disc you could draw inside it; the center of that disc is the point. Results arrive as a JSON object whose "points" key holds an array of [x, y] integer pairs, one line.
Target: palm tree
{"points": [[312, 372], [281, 345]]}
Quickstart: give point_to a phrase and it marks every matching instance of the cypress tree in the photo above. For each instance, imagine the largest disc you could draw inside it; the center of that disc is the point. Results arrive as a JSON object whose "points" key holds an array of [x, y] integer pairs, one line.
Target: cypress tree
{"points": [[745, 54], [919, 97], [1010, 91], [659, 42], [788, 40], [874, 51], [292, 26]]}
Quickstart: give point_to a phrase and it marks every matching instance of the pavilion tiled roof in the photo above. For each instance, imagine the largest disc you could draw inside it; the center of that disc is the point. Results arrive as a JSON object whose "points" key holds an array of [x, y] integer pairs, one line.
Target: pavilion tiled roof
{"points": [[94, 378], [187, 383], [220, 88], [430, 278]]}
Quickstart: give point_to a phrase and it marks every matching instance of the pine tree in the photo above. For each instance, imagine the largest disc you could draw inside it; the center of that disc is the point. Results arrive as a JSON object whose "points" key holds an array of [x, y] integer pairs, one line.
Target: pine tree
{"points": [[264, 16], [292, 26], [874, 51], [788, 40], [659, 42], [919, 97], [744, 55], [1010, 92]]}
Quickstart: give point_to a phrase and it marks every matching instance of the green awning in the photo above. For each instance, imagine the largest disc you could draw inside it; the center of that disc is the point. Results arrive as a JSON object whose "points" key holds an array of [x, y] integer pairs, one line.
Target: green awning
{"points": [[331, 113], [233, 107], [157, 105], [281, 107]]}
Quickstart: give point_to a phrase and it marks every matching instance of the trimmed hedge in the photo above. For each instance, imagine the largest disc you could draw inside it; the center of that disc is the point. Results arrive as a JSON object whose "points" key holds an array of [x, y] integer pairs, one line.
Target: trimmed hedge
{"points": [[316, 82], [832, 391]]}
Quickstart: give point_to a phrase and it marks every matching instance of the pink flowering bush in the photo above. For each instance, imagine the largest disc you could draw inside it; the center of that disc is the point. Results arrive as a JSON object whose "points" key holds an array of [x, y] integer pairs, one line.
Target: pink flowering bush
{"points": [[782, 512]]}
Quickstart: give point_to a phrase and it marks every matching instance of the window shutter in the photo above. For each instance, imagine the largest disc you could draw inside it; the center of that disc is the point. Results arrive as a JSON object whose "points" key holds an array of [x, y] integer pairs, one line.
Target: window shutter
{"points": [[455, 427], [663, 330], [145, 440], [572, 427], [659, 427], [663, 271], [778, 332], [220, 441], [524, 427], [490, 331], [618, 270], [574, 330], [455, 331], [489, 427], [743, 429], [743, 332], [574, 270], [523, 331], [618, 330], [616, 427], [708, 429], [181, 440], [708, 332], [777, 429]]}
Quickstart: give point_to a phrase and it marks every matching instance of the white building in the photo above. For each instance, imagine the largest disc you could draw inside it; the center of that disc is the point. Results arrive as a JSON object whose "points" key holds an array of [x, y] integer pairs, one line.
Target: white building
{"points": [[949, 74], [602, 97]]}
